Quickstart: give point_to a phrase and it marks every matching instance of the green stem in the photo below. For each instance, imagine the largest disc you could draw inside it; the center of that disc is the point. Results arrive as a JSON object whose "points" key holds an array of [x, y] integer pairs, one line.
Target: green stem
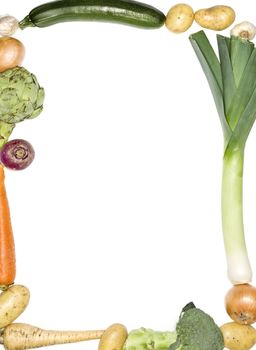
{"points": [[5, 132], [239, 270], [148, 339], [26, 22]]}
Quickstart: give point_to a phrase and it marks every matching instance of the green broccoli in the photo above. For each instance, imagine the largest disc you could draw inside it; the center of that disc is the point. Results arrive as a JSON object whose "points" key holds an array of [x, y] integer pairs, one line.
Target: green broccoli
{"points": [[195, 330]]}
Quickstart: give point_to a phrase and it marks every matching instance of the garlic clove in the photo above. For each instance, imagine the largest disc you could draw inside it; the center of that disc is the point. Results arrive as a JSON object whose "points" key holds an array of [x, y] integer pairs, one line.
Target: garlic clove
{"points": [[8, 25], [244, 30]]}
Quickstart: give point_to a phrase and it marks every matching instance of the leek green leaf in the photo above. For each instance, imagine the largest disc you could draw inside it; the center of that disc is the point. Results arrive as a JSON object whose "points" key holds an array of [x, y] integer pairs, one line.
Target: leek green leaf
{"points": [[243, 93], [244, 125], [211, 67], [240, 52], [229, 86]]}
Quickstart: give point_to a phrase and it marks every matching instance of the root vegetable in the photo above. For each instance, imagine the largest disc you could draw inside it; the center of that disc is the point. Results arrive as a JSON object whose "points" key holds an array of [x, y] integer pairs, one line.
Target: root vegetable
{"points": [[216, 17], [7, 249], [179, 18], [17, 154], [21, 336], [113, 338], [237, 336], [13, 301], [12, 52]]}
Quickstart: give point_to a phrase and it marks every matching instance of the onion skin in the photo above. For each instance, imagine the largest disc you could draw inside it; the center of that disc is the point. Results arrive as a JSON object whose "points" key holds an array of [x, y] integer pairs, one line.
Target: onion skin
{"points": [[12, 52], [240, 303]]}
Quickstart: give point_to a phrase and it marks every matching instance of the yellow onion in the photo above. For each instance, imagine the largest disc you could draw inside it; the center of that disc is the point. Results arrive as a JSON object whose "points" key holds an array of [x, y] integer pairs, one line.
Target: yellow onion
{"points": [[12, 52], [240, 303]]}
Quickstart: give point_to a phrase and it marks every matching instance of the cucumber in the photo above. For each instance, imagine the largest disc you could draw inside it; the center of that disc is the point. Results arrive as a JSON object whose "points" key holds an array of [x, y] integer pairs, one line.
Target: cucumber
{"points": [[120, 11]]}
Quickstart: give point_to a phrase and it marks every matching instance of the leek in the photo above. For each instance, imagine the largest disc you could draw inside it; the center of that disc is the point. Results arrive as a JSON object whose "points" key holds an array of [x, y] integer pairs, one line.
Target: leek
{"points": [[232, 78]]}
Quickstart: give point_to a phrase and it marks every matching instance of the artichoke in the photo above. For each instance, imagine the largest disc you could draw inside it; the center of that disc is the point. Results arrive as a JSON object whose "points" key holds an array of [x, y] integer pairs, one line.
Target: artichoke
{"points": [[21, 97]]}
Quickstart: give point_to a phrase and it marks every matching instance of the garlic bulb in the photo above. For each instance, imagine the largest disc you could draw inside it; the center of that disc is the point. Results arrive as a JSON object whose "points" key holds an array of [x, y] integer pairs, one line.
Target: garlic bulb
{"points": [[8, 25], [244, 30]]}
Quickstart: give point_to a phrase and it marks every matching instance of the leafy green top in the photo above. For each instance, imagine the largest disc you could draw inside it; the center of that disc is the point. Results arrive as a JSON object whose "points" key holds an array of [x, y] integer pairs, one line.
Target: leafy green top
{"points": [[231, 78]]}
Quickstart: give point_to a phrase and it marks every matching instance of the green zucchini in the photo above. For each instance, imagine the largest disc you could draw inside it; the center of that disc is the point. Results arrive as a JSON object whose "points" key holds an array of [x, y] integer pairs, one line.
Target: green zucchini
{"points": [[120, 11]]}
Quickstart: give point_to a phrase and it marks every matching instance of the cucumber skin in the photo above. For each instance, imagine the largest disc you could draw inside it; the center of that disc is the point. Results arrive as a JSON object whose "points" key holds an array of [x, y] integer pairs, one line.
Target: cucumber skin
{"points": [[120, 11]]}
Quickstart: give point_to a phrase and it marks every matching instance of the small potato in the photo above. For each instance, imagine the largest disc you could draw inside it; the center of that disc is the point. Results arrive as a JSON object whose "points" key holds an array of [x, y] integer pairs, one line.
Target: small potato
{"points": [[13, 302], [216, 17], [238, 336], [179, 18], [113, 338]]}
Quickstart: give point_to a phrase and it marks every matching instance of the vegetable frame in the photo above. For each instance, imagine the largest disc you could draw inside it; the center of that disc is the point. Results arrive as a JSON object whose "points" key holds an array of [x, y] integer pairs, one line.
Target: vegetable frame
{"points": [[232, 79]]}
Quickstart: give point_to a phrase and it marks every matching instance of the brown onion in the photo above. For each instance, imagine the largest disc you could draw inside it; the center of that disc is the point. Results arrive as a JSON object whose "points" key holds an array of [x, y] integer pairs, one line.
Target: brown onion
{"points": [[12, 52], [240, 303]]}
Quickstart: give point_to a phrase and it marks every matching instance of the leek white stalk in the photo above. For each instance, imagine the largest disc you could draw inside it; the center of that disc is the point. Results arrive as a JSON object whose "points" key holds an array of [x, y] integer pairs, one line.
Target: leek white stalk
{"points": [[239, 270]]}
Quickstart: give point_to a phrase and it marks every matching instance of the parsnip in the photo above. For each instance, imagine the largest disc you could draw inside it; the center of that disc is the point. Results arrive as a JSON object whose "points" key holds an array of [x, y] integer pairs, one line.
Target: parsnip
{"points": [[21, 336]]}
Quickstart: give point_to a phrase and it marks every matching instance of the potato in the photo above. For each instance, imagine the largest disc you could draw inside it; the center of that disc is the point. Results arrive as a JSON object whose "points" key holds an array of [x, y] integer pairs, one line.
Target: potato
{"points": [[215, 18], [238, 336], [13, 302], [179, 18], [113, 338]]}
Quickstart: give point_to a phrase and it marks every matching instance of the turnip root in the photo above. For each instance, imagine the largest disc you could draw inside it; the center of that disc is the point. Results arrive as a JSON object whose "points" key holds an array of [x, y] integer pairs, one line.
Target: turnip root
{"points": [[21, 336]]}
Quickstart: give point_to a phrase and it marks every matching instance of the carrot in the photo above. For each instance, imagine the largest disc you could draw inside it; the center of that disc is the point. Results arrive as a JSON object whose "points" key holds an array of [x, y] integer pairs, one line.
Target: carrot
{"points": [[21, 336], [7, 250]]}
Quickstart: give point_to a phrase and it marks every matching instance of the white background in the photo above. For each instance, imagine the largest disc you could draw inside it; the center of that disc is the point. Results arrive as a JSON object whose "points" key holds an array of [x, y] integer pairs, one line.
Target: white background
{"points": [[118, 218]]}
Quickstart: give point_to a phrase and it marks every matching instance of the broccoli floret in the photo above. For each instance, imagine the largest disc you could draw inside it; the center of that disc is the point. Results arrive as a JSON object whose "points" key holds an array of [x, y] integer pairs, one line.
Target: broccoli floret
{"points": [[195, 330]]}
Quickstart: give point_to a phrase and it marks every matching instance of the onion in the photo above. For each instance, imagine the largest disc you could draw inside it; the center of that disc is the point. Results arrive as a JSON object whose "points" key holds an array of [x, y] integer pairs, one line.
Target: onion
{"points": [[12, 52], [240, 303]]}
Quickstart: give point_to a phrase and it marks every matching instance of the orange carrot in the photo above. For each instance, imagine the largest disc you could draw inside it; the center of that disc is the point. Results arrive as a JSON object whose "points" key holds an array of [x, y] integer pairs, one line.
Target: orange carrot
{"points": [[7, 250]]}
